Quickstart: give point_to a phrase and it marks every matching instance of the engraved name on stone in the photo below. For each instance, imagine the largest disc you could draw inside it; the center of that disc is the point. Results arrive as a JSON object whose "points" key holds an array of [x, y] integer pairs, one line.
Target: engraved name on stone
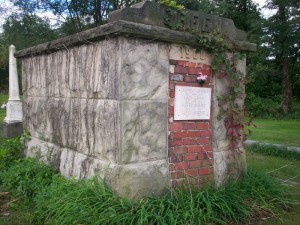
{"points": [[192, 103], [203, 22]]}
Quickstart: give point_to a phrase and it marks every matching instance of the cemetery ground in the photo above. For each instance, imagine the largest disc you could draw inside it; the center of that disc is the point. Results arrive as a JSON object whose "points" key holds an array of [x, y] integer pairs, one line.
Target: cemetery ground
{"points": [[18, 206]]}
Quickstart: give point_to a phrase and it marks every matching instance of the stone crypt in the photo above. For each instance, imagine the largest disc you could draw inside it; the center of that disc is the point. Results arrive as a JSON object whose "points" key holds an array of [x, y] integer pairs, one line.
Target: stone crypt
{"points": [[122, 100]]}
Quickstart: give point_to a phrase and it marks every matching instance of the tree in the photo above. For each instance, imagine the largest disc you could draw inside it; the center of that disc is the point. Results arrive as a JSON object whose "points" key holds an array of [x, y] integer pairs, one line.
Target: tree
{"points": [[283, 32], [77, 15], [22, 30], [244, 13]]}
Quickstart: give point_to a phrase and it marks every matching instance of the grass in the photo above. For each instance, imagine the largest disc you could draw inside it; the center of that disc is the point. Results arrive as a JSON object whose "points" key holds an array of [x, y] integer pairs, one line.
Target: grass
{"points": [[285, 168], [91, 202], [3, 98], [291, 217], [286, 132], [54, 200]]}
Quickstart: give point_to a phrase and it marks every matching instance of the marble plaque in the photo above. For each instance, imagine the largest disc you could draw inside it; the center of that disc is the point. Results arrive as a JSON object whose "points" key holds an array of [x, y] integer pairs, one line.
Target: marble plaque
{"points": [[192, 103]]}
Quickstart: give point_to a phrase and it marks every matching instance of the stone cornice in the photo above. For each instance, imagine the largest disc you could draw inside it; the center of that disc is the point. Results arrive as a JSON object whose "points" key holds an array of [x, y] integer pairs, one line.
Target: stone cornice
{"points": [[124, 28]]}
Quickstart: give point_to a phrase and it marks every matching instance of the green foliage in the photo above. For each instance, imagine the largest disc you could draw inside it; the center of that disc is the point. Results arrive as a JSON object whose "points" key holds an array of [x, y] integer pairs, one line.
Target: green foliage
{"points": [[215, 44], [76, 15], [25, 30], [282, 37], [275, 151], [175, 14], [56, 200], [244, 13], [261, 107], [91, 202], [172, 4], [206, 6], [224, 64], [10, 151], [26, 177]]}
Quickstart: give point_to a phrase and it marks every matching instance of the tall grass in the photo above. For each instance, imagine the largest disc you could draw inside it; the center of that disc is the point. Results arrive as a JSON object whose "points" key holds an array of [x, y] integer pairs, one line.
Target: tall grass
{"points": [[91, 202], [57, 201]]}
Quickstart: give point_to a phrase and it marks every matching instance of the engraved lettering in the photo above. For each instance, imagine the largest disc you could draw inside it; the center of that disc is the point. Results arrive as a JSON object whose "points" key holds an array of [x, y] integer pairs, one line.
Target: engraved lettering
{"points": [[195, 55], [187, 53], [202, 54], [181, 53], [207, 25], [195, 22]]}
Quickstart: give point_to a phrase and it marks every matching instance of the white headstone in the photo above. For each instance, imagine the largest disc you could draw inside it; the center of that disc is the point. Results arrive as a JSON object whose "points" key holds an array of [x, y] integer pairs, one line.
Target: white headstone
{"points": [[14, 105]]}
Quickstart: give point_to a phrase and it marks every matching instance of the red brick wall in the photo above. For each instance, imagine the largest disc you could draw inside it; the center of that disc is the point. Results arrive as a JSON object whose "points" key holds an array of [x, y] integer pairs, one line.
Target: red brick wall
{"points": [[189, 141]]}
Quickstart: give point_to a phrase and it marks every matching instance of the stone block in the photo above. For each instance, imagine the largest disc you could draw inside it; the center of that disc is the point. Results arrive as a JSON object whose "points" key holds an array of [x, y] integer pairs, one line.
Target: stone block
{"points": [[143, 75], [143, 135], [129, 131], [228, 165], [155, 14], [143, 179], [130, 181], [153, 130], [67, 74], [11, 130]]}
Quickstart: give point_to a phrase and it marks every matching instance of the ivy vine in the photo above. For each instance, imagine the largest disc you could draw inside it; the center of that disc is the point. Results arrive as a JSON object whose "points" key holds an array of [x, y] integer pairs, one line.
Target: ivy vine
{"points": [[174, 14], [224, 66]]}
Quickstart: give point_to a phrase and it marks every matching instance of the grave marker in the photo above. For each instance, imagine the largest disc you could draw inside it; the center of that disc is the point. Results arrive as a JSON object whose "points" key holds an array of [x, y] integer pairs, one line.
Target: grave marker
{"points": [[122, 100]]}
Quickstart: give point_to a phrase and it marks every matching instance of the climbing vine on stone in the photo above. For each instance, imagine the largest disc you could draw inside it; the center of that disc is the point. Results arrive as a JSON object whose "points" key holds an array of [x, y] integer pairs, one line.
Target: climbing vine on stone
{"points": [[224, 65], [174, 14], [172, 4]]}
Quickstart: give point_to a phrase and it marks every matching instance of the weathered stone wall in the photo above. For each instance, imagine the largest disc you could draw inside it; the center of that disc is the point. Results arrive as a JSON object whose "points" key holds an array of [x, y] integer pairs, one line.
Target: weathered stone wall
{"points": [[101, 105], [102, 102], [106, 113]]}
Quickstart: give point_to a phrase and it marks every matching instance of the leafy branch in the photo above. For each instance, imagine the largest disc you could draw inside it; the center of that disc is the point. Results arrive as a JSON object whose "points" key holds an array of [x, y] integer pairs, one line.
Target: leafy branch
{"points": [[224, 64]]}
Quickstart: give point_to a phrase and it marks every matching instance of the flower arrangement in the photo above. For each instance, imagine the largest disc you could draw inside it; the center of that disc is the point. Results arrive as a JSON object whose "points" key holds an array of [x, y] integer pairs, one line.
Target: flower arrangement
{"points": [[201, 79]]}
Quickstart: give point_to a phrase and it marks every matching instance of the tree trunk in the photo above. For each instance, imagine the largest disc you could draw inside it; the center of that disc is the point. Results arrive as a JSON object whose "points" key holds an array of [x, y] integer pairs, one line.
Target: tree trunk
{"points": [[286, 103], [286, 85]]}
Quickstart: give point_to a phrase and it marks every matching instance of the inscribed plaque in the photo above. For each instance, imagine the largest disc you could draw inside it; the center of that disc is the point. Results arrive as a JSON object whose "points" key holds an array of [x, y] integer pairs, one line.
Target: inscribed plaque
{"points": [[192, 103]]}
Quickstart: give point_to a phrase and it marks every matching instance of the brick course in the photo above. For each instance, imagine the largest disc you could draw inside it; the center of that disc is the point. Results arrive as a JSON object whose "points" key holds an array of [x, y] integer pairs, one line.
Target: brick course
{"points": [[189, 141]]}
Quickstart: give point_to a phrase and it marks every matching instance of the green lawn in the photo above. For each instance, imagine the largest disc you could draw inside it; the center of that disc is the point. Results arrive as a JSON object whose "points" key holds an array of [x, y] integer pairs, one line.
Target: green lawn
{"points": [[3, 98], [284, 169], [286, 132]]}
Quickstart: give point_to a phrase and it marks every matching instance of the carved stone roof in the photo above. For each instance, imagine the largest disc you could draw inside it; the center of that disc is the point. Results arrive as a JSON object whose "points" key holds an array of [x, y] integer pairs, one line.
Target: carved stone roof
{"points": [[147, 20]]}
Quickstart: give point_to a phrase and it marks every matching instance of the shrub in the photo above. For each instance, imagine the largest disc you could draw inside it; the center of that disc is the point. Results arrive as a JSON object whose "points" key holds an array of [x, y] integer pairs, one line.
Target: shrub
{"points": [[10, 150], [270, 107], [26, 177], [262, 107], [272, 150]]}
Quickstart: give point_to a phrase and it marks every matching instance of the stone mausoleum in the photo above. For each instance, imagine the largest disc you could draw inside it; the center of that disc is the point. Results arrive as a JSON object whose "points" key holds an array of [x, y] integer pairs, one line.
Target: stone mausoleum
{"points": [[121, 100]]}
